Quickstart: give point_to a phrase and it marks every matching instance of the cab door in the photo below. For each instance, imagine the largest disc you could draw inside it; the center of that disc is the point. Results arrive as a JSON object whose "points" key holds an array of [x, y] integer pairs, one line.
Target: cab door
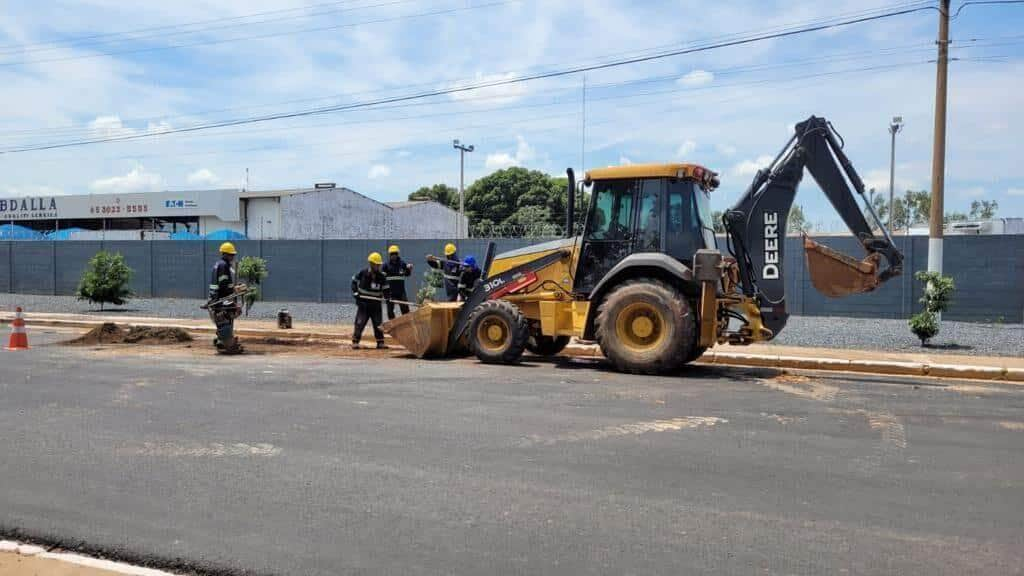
{"points": [[610, 231]]}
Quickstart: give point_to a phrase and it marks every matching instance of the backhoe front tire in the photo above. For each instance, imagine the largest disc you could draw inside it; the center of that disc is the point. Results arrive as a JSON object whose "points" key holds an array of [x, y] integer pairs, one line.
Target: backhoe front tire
{"points": [[645, 326], [546, 345], [498, 332]]}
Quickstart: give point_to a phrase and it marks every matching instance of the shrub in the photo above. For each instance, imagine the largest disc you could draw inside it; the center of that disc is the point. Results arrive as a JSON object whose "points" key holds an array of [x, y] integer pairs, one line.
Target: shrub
{"points": [[253, 271], [938, 291], [105, 280], [433, 279], [924, 325]]}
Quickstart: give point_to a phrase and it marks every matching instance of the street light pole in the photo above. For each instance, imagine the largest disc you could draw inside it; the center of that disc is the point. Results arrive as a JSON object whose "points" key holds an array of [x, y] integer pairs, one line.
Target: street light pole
{"points": [[894, 127], [939, 146], [462, 183]]}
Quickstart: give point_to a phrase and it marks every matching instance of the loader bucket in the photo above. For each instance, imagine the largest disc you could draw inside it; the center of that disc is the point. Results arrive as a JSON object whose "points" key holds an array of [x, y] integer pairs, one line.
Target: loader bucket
{"points": [[835, 274], [424, 332]]}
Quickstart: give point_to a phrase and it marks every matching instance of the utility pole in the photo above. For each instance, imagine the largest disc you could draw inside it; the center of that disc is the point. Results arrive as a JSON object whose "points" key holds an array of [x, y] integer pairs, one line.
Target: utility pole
{"points": [[462, 183], [939, 148], [894, 127]]}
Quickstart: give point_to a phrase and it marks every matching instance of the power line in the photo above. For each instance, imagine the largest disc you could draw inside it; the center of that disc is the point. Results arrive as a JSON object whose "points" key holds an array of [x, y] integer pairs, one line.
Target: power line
{"points": [[717, 72], [180, 29], [982, 2], [262, 36], [599, 59], [478, 86]]}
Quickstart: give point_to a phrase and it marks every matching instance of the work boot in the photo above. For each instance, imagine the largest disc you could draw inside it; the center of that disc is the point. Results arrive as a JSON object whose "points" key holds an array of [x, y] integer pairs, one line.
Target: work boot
{"points": [[381, 345], [355, 345]]}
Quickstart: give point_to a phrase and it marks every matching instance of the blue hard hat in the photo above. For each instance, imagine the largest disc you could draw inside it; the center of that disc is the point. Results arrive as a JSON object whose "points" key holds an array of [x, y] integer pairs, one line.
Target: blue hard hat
{"points": [[470, 261]]}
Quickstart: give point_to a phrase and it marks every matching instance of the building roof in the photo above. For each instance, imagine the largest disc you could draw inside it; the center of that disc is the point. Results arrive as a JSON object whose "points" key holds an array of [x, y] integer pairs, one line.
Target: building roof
{"points": [[408, 203]]}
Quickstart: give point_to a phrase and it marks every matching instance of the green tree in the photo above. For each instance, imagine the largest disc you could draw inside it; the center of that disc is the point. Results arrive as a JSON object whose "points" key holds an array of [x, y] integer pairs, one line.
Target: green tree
{"points": [[797, 222], [984, 209], [253, 271], [499, 196], [951, 217], [441, 193], [432, 280], [106, 280]]}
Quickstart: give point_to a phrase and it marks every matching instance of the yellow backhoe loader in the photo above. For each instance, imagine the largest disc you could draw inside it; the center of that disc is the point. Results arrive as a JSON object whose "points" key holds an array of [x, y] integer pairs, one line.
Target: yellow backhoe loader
{"points": [[647, 279]]}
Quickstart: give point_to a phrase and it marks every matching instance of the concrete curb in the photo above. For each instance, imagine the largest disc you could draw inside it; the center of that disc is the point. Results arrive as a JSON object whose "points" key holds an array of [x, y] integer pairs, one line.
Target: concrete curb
{"points": [[11, 547], [714, 357], [886, 367]]}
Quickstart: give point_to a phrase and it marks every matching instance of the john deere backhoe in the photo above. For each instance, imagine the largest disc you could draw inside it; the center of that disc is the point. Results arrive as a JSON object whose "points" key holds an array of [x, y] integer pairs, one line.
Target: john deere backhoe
{"points": [[648, 280]]}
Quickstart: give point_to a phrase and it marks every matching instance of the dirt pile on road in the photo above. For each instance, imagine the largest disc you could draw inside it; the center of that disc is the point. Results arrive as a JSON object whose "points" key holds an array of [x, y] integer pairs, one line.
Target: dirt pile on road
{"points": [[110, 333]]}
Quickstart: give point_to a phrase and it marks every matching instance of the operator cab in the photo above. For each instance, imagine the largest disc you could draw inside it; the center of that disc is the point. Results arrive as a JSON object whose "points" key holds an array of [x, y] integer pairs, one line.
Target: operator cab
{"points": [[661, 208]]}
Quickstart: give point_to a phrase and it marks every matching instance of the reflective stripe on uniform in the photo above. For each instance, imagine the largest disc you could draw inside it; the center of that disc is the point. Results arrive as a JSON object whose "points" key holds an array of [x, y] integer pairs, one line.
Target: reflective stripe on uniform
{"points": [[453, 278], [223, 277], [394, 278], [371, 292]]}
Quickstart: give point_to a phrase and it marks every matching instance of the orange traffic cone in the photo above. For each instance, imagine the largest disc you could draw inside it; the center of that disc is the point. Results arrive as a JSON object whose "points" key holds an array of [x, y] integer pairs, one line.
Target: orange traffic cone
{"points": [[19, 338]]}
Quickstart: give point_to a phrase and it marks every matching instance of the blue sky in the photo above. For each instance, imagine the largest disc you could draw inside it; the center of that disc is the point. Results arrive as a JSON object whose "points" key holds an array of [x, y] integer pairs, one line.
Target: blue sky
{"points": [[729, 109]]}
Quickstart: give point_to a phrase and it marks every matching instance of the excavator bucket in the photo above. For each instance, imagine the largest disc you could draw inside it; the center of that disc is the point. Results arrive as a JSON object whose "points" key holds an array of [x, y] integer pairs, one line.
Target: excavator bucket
{"points": [[424, 332], [835, 274]]}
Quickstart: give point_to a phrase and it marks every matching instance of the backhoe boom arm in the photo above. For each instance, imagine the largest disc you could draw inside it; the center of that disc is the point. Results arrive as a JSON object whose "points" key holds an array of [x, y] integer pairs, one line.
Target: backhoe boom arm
{"points": [[757, 224]]}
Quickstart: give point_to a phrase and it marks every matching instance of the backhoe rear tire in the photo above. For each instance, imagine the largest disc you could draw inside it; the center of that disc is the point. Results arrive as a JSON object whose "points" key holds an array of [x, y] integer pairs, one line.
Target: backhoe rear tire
{"points": [[646, 326], [546, 345], [498, 332]]}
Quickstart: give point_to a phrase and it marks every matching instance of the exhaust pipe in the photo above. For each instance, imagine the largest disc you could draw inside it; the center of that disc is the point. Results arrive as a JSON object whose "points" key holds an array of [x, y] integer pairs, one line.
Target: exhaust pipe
{"points": [[570, 204]]}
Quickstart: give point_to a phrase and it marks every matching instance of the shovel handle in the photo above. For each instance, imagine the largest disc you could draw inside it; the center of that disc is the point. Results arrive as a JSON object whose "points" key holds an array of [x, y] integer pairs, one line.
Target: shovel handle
{"points": [[386, 300]]}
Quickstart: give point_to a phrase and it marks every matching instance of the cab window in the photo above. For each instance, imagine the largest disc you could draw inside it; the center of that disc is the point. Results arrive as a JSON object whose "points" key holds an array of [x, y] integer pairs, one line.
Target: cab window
{"points": [[683, 231], [613, 210], [648, 225]]}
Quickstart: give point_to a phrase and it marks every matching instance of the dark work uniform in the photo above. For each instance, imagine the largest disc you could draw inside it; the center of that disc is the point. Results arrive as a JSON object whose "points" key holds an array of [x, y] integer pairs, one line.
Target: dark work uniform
{"points": [[451, 268], [222, 283], [467, 281], [397, 270], [366, 282]]}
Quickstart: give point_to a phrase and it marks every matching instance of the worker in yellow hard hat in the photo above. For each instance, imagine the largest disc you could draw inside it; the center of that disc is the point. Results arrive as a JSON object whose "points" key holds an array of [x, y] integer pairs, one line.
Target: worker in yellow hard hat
{"points": [[397, 270], [451, 267], [224, 304], [370, 290]]}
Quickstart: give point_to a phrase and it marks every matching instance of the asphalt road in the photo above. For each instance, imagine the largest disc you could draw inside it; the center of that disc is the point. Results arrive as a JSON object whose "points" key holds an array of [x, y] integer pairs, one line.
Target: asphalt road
{"points": [[279, 465]]}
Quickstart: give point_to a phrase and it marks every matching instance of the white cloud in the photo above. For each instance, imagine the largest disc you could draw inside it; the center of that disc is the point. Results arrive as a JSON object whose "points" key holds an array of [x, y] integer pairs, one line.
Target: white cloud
{"points": [[404, 154], [109, 127], [1015, 191], [973, 192], [499, 160], [203, 177], [34, 190], [725, 149], [379, 171], [879, 180], [750, 167], [136, 180], [696, 78], [158, 127], [623, 161], [686, 148], [501, 94], [524, 153]]}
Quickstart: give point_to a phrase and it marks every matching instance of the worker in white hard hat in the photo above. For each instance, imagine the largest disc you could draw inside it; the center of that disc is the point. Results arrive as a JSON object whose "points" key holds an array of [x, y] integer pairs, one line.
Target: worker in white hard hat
{"points": [[224, 302]]}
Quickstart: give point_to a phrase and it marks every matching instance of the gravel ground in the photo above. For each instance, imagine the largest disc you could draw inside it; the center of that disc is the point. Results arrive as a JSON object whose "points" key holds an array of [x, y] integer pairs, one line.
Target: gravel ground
{"points": [[813, 331], [178, 308]]}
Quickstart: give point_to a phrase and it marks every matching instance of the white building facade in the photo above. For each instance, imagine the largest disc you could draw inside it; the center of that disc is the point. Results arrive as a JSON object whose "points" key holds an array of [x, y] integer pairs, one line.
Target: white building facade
{"points": [[296, 214]]}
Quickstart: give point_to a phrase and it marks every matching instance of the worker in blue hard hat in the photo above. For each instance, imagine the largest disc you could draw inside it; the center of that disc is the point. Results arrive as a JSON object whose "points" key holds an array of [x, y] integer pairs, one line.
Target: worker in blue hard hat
{"points": [[467, 280], [451, 268]]}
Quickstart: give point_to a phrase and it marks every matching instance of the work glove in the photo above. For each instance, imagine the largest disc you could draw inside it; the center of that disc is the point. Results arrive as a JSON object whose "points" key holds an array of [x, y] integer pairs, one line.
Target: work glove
{"points": [[239, 288]]}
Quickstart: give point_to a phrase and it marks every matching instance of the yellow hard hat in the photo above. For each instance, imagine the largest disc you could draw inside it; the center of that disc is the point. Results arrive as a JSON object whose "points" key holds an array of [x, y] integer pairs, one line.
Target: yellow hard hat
{"points": [[393, 249], [375, 258], [228, 248], [449, 249]]}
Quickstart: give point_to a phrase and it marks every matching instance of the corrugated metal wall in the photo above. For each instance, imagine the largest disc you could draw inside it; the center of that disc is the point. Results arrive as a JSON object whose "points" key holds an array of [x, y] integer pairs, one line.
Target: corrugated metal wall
{"points": [[988, 271]]}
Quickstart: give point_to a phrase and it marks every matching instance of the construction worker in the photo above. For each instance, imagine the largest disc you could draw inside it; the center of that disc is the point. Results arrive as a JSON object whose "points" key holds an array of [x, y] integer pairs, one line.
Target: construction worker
{"points": [[224, 312], [467, 280], [451, 268], [370, 288], [397, 270]]}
